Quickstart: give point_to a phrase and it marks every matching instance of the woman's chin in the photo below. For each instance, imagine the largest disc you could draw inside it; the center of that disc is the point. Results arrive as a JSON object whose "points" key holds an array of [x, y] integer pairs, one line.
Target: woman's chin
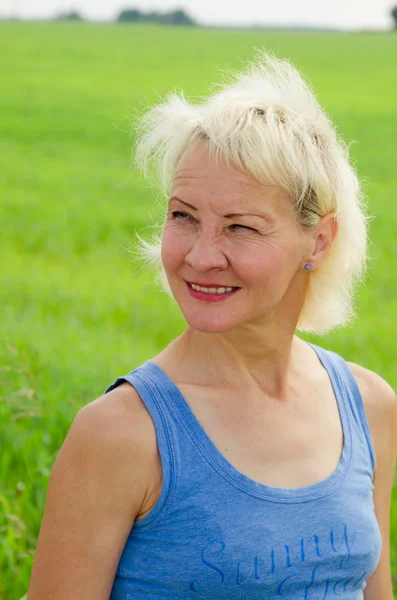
{"points": [[210, 325], [211, 318]]}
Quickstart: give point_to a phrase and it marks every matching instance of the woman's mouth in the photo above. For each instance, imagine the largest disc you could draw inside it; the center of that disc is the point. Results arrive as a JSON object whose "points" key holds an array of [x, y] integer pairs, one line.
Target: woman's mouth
{"points": [[214, 293]]}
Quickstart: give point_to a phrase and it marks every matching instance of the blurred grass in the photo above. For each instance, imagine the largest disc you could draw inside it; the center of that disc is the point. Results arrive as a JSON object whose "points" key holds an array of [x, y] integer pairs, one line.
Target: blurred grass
{"points": [[76, 312]]}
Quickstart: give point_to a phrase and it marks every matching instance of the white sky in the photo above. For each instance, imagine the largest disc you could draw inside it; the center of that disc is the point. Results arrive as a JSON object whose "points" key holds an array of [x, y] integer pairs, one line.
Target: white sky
{"points": [[329, 13]]}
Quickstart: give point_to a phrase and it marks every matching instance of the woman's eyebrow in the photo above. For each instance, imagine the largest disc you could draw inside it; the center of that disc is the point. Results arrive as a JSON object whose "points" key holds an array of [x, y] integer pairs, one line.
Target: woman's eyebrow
{"points": [[228, 216], [248, 214], [183, 202]]}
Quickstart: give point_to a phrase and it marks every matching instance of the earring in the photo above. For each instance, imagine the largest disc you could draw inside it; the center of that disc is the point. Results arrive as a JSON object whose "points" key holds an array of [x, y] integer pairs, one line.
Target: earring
{"points": [[308, 267]]}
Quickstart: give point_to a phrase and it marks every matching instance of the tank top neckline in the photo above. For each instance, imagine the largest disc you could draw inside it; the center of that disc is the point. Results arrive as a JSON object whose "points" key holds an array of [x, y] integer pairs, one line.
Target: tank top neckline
{"points": [[247, 485]]}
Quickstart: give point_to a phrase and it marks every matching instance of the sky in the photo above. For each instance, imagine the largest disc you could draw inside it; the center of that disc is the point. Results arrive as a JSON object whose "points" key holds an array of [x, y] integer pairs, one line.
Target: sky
{"points": [[345, 14]]}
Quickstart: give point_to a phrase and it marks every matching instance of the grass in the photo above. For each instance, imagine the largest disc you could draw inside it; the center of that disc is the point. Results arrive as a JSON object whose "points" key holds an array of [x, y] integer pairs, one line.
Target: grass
{"points": [[76, 312]]}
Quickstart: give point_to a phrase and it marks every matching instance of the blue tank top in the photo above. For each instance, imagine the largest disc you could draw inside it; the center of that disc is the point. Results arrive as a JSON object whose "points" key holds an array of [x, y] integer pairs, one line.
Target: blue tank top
{"points": [[214, 533]]}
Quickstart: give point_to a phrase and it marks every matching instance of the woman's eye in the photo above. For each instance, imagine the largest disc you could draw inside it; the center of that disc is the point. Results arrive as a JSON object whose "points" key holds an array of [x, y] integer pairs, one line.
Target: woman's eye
{"points": [[237, 226], [176, 214]]}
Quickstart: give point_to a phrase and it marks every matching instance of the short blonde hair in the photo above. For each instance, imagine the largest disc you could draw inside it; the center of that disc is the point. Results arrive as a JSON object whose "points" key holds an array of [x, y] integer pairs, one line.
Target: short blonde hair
{"points": [[268, 122]]}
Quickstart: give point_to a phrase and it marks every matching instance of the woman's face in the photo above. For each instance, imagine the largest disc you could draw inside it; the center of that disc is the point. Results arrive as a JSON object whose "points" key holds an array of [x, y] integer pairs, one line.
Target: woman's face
{"points": [[236, 238]]}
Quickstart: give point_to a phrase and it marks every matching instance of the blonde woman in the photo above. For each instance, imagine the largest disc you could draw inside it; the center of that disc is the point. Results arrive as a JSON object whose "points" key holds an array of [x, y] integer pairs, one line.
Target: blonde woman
{"points": [[241, 462]]}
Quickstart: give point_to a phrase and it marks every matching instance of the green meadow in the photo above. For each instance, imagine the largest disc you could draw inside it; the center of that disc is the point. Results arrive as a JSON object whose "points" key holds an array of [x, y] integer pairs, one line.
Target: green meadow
{"points": [[77, 307]]}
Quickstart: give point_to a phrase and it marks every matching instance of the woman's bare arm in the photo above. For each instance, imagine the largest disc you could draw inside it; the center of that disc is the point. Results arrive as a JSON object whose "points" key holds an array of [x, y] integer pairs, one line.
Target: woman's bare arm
{"points": [[99, 483], [381, 408]]}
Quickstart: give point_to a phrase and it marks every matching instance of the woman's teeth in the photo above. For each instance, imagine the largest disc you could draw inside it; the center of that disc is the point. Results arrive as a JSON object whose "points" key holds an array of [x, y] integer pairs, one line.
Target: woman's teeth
{"points": [[212, 290]]}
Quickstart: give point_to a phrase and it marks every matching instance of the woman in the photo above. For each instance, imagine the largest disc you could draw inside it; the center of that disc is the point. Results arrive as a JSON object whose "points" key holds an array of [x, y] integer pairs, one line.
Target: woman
{"points": [[241, 462]]}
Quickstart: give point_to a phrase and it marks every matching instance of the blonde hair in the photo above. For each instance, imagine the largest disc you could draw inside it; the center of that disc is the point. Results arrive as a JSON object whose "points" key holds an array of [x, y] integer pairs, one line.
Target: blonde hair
{"points": [[268, 122]]}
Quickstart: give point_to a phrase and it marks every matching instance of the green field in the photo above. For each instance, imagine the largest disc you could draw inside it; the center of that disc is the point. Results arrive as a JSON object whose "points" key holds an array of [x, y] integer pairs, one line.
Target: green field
{"points": [[76, 309]]}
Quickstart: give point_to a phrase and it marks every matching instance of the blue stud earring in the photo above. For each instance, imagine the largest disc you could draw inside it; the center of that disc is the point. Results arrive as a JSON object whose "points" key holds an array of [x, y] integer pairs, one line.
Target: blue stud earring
{"points": [[308, 267]]}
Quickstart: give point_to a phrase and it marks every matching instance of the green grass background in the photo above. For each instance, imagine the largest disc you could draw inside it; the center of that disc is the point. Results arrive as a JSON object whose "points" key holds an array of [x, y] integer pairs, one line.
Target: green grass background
{"points": [[76, 311]]}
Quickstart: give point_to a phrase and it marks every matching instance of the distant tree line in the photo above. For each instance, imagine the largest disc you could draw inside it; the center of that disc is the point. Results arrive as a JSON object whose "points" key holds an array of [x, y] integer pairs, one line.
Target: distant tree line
{"points": [[393, 13], [69, 16], [175, 17]]}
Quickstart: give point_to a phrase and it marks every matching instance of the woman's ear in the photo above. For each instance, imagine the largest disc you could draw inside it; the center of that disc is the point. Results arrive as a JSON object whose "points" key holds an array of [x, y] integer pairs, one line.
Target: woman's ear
{"points": [[323, 235]]}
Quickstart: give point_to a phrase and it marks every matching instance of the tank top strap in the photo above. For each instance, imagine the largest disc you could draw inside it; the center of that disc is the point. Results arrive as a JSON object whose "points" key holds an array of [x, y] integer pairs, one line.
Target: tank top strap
{"points": [[146, 382], [352, 395]]}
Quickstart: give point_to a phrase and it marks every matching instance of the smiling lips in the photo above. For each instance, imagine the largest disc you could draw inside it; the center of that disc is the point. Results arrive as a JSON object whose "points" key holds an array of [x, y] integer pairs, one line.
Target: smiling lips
{"points": [[215, 293]]}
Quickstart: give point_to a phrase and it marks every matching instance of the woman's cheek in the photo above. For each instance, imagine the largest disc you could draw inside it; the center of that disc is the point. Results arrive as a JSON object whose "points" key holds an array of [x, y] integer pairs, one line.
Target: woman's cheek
{"points": [[258, 264], [173, 248]]}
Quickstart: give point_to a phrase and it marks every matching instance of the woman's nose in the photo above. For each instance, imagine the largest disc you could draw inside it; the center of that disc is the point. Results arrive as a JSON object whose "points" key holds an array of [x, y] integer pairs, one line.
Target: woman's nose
{"points": [[206, 254]]}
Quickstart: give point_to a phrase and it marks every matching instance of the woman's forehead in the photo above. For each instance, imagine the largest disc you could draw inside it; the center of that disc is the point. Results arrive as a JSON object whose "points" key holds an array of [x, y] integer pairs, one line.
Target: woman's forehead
{"points": [[200, 173], [203, 180], [200, 163]]}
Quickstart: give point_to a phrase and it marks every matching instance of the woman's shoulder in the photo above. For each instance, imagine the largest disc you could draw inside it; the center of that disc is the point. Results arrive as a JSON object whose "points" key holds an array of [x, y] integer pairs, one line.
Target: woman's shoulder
{"points": [[380, 405], [116, 433], [378, 395], [119, 418]]}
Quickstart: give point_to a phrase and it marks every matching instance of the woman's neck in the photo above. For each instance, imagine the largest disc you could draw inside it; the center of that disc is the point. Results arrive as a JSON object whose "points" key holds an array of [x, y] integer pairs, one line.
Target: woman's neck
{"points": [[245, 357]]}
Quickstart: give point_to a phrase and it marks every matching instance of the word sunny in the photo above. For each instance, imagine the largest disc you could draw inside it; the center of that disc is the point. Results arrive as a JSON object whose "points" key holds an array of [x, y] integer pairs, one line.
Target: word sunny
{"points": [[327, 564]]}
